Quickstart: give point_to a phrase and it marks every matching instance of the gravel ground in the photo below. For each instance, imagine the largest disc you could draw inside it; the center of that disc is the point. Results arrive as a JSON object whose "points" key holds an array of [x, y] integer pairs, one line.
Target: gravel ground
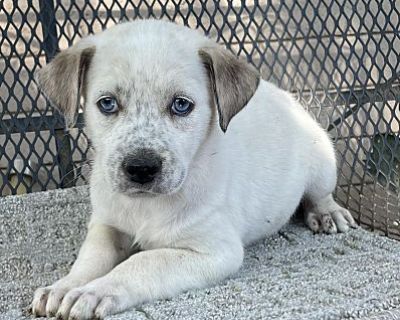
{"points": [[292, 275]]}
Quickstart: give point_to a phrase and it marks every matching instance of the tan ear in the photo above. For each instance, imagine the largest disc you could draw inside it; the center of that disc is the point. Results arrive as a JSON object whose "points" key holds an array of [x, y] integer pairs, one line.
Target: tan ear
{"points": [[233, 81], [63, 80]]}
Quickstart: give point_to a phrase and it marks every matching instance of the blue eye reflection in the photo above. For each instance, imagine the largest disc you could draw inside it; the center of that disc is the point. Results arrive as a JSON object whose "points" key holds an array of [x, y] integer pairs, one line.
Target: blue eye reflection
{"points": [[181, 106], [107, 105]]}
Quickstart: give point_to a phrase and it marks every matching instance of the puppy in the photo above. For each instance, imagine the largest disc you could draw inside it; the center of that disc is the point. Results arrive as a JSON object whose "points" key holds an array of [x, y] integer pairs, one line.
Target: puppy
{"points": [[195, 157]]}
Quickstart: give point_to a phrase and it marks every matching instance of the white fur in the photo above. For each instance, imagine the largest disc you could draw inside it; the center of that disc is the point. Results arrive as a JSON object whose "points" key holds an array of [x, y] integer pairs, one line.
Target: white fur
{"points": [[239, 186]]}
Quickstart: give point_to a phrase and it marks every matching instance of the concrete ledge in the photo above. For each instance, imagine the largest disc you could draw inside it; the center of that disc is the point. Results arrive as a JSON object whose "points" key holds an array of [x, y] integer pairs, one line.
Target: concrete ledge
{"points": [[292, 275]]}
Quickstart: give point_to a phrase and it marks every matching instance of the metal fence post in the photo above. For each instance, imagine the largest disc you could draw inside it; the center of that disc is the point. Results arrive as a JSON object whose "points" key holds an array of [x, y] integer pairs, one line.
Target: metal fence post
{"points": [[47, 18]]}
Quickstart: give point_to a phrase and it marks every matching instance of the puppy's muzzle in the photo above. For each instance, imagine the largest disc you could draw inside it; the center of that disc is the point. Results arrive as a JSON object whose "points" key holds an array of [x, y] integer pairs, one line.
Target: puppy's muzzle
{"points": [[143, 167]]}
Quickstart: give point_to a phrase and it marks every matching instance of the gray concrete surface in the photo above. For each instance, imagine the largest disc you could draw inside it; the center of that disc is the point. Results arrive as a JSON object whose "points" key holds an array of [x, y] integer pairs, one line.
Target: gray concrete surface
{"points": [[292, 275]]}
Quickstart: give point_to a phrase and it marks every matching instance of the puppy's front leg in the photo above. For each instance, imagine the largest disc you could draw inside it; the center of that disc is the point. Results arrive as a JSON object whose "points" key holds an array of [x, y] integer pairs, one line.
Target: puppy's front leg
{"points": [[150, 275], [103, 248]]}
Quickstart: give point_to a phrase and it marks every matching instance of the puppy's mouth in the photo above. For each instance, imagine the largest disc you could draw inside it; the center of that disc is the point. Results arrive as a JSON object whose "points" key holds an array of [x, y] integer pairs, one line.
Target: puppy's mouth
{"points": [[153, 190], [140, 194]]}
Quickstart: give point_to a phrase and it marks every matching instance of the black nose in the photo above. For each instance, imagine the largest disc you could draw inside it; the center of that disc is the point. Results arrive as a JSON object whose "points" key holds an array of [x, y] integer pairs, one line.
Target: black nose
{"points": [[142, 167]]}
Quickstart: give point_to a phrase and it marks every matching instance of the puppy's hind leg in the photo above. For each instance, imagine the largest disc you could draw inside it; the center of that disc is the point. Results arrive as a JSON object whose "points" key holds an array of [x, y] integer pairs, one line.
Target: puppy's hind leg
{"points": [[322, 213]]}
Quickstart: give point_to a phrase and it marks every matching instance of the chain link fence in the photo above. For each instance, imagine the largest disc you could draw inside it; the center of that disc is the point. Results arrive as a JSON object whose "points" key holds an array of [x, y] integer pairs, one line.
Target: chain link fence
{"points": [[339, 57]]}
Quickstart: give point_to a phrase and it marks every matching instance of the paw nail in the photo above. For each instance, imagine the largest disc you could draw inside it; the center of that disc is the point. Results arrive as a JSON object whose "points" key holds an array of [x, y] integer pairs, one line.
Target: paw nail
{"points": [[50, 314], [29, 310]]}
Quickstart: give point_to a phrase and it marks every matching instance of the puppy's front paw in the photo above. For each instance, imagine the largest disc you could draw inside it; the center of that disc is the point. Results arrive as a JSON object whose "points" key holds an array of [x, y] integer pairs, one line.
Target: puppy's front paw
{"points": [[47, 300], [97, 299], [330, 221]]}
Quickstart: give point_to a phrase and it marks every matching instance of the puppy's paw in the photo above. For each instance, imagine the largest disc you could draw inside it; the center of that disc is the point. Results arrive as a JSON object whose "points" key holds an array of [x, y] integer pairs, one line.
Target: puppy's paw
{"points": [[97, 299], [47, 300], [330, 221]]}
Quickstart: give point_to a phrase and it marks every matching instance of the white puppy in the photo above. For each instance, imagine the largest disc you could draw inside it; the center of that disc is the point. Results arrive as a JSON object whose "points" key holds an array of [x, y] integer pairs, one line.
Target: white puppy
{"points": [[169, 175]]}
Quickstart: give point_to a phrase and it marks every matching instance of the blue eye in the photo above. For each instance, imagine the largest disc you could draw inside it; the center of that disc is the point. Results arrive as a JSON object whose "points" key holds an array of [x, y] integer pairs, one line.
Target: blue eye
{"points": [[181, 106], [108, 105]]}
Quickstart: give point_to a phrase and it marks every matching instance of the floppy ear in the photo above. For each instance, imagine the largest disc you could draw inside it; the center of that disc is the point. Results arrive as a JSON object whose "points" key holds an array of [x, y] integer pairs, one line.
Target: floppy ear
{"points": [[63, 80], [233, 81]]}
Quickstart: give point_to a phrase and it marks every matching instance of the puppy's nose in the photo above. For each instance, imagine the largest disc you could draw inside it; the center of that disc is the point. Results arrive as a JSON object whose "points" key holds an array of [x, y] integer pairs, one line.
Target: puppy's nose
{"points": [[142, 167]]}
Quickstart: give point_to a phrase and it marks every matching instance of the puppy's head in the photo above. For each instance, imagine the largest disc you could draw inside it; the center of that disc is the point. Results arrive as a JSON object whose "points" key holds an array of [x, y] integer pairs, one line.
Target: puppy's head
{"points": [[152, 91]]}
